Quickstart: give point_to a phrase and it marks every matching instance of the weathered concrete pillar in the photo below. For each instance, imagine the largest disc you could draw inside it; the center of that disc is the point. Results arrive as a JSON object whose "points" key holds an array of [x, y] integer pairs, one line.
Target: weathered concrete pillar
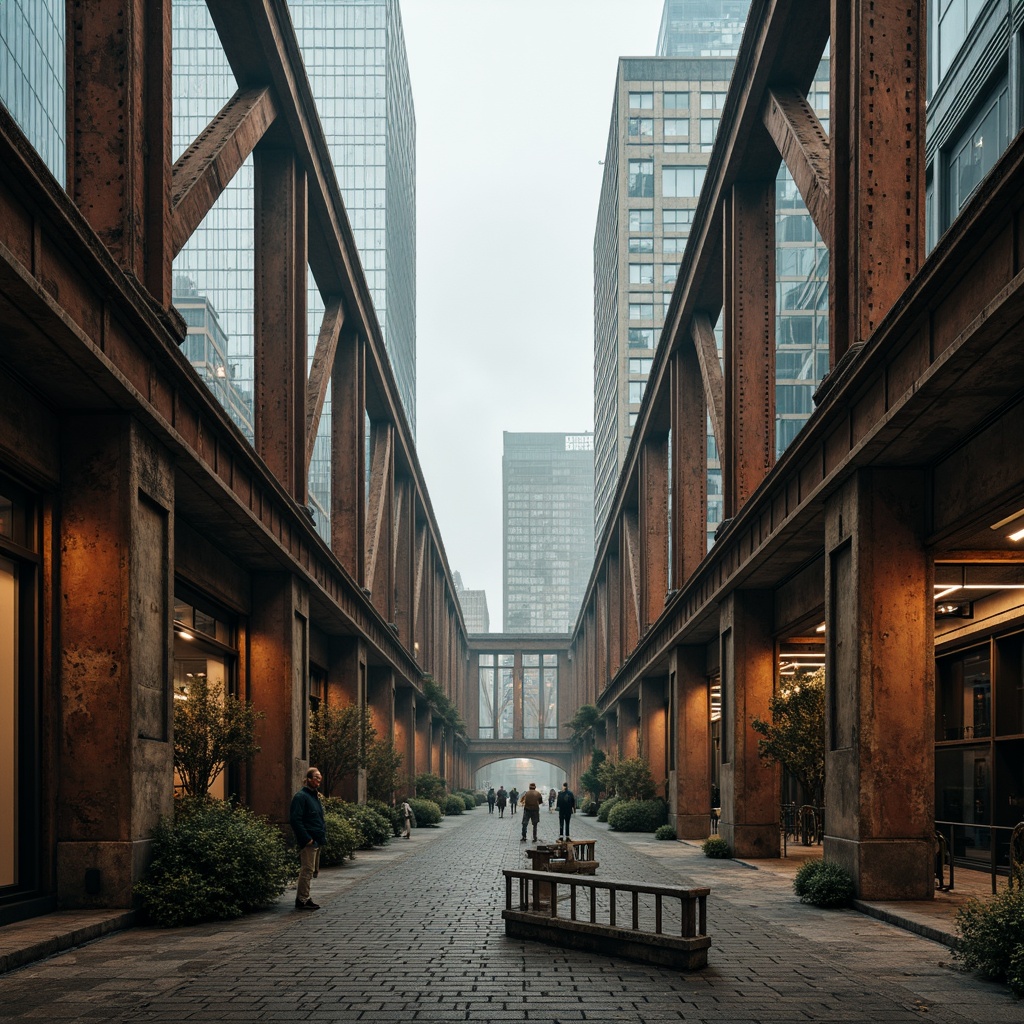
{"points": [[380, 699], [629, 727], [611, 736], [279, 687], [116, 593], [423, 716], [880, 666], [654, 729], [692, 794], [750, 787]]}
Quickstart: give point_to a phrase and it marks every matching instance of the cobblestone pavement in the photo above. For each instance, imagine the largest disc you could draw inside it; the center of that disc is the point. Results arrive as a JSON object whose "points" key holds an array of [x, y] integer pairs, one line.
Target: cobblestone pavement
{"points": [[414, 933]]}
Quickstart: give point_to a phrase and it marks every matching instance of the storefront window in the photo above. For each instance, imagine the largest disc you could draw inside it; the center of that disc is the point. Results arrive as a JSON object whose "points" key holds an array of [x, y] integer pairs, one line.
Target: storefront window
{"points": [[8, 720], [964, 704]]}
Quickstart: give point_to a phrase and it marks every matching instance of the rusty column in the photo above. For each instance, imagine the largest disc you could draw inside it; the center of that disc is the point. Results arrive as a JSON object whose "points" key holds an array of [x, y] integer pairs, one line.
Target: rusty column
{"points": [[116, 579], [654, 728], [693, 742], [689, 467], [749, 315], [877, 128], [279, 688], [750, 787], [348, 454], [119, 132], [279, 317], [629, 727], [654, 525], [880, 667]]}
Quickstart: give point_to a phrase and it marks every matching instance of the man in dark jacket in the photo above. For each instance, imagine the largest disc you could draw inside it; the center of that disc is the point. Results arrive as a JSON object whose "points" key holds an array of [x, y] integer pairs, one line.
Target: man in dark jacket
{"points": [[566, 805], [307, 819]]}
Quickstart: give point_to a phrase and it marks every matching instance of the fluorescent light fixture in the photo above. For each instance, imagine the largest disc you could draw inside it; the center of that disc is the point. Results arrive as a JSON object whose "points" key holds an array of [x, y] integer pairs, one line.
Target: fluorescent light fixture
{"points": [[941, 592], [820, 629], [1017, 535], [185, 635]]}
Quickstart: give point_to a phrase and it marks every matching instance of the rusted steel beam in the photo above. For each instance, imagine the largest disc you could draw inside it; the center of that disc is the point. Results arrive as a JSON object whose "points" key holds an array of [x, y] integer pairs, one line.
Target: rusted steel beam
{"points": [[119, 131], [706, 349], [689, 463], [279, 414], [320, 369], [204, 170], [378, 530], [749, 450], [877, 124], [348, 454], [420, 561], [804, 145], [653, 523], [616, 654], [630, 548]]}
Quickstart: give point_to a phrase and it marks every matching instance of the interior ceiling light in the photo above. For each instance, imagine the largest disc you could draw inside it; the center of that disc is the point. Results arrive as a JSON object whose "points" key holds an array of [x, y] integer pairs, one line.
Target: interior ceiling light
{"points": [[1016, 524], [820, 629], [185, 635]]}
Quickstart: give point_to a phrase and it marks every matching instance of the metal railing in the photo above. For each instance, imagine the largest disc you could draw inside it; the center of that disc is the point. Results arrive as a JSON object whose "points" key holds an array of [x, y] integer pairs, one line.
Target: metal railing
{"points": [[804, 822], [977, 847]]}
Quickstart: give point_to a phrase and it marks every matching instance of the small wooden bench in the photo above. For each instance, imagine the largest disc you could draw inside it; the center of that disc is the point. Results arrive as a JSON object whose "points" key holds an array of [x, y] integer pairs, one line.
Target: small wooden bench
{"points": [[532, 912], [578, 859]]}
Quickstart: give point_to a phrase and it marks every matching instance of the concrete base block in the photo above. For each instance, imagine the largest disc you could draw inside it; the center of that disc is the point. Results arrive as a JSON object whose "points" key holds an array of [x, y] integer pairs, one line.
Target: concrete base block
{"points": [[752, 841], [693, 826], [886, 869], [99, 875]]}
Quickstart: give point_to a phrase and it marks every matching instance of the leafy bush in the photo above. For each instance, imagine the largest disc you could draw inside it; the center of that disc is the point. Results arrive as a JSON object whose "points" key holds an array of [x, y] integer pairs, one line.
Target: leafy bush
{"points": [[389, 813], [212, 862], [991, 937], [665, 832], [590, 780], [426, 811], [469, 801], [717, 847], [633, 779], [637, 815], [454, 804], [481, 797], [823, 883], [431, 787], [343, 839], [374, 828], [589, 808], [606, 806]]}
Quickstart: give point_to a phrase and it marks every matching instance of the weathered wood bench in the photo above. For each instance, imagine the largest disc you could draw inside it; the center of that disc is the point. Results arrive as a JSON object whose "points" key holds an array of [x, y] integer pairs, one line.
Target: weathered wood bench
{"points": [[578, 859], [532, 911]]}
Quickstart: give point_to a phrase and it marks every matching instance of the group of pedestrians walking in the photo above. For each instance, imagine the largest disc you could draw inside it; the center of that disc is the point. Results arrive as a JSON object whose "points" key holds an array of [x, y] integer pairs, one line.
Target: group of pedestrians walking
{"points": [[532, 801]]}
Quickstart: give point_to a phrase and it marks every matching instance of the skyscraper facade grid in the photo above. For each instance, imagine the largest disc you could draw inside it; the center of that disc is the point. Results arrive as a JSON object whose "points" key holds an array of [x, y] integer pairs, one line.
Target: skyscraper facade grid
{"points": [[548, 529]]}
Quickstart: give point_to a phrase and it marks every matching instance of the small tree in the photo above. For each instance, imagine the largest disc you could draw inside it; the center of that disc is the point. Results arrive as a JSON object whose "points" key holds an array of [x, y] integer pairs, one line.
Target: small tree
{"points": [[337, 740], [211, 730], [431, 787], [586, 717], [383, 770], [795, 737], [590, 780], [443, 706], [633, 779], [607, 773]]}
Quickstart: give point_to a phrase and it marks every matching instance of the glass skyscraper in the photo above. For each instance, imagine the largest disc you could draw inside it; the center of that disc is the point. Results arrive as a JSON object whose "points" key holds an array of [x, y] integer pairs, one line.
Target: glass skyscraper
{"points": [[33, 75], [354, 53], [702, 28], [548, 529]]}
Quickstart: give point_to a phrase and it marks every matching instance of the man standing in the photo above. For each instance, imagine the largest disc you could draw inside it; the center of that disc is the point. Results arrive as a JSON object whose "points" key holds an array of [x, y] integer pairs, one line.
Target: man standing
{"points": [[310, 828], [566, 805], [532, 799], [513, 799]]}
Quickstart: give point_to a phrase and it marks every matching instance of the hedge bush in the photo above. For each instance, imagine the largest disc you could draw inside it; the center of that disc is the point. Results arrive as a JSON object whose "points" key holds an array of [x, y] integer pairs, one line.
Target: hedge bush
{"points": [[606, 806], [426, 811], [454, 804], [823, 883], [374, 828], [665, 832], [469, 800], [343, 839], [589, 808], [717, 847], [991, 938], [212, 862], [637, 815], [389, 813]]}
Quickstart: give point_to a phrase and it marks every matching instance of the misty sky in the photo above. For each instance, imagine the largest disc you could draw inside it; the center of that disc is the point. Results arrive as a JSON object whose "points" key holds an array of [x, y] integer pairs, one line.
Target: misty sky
{"points": [[513, 101]]}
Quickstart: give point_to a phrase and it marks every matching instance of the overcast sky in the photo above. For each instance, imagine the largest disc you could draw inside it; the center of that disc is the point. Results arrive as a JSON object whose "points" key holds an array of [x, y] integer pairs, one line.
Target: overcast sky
{"points": [[513, 101]]}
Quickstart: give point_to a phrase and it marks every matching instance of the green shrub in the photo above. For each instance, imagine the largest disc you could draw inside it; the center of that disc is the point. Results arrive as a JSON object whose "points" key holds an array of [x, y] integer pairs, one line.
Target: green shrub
{"points": [[717, 847], [212, 862], [431, 787], [823, 883], [665, 832], [469, 800], [589, 808], [426, 811], [991, 937], [481, 797], [454, 804], [606, 806], [637, 815], [389, 813], [374, 828], [343, 839]]}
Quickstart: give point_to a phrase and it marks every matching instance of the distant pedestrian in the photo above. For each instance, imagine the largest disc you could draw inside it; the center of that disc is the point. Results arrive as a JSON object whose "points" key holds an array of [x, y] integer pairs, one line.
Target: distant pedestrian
{"points": [[407, 819], [310, 828], [501, 798], [490, 800], [532, 800], [513, 799], [551, 801], [566, 805]]}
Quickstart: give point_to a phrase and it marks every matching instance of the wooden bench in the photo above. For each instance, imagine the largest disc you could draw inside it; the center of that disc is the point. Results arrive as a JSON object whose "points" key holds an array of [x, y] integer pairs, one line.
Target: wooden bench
{"points": [[578, 858], [532, 912]]}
